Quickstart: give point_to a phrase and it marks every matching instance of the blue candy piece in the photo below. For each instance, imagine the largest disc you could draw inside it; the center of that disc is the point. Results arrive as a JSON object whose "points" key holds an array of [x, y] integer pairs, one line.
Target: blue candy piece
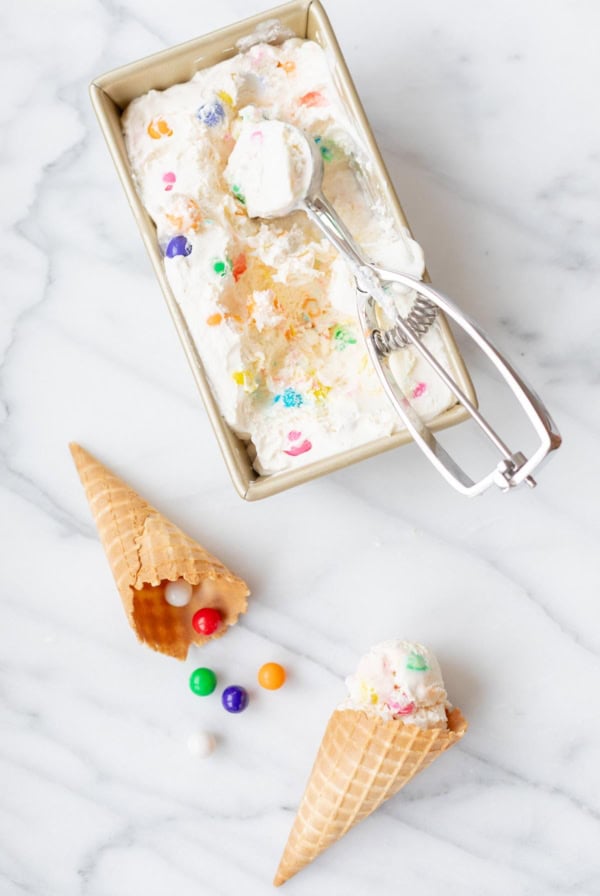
{"points": [[290, 398], [235, 698], [211, 114], [179, 245]]}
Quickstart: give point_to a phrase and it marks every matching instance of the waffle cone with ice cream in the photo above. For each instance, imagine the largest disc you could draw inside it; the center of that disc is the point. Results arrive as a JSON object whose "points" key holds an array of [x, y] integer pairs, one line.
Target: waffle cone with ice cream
{"points": [[146, 551], [393, 725]]}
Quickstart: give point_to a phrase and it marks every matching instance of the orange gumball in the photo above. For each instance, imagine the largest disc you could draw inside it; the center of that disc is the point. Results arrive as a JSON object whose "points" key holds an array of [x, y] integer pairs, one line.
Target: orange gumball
{"points": [[271, 676]]}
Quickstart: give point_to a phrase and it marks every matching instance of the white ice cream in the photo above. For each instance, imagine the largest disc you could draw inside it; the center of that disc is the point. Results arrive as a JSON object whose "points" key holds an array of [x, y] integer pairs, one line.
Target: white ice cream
{"points": [[270, 304], [271, 166], [399, 680]]}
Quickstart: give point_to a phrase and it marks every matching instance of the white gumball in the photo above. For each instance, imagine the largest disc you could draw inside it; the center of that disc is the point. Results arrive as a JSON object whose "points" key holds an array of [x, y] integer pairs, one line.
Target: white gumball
{"points": [[179, 593], [201, 744]]}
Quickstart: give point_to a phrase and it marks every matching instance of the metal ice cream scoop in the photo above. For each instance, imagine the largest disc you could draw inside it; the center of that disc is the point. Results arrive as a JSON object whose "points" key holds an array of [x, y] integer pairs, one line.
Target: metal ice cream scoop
{"points": [[514, 467]]}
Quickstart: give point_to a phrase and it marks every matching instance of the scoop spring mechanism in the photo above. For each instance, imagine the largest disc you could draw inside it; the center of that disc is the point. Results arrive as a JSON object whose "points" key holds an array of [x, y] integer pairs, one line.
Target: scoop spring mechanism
{"points": [[419, 320]]}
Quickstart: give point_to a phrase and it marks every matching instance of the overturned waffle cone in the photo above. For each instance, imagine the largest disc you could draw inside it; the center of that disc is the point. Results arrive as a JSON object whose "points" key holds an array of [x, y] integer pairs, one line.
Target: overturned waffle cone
{"points": [[145, 551], [363, 760]]}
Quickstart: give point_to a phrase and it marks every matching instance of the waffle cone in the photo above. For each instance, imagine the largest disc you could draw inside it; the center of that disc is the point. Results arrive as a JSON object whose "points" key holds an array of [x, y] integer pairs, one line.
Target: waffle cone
{"points": [[145, 550], [363, 760]]}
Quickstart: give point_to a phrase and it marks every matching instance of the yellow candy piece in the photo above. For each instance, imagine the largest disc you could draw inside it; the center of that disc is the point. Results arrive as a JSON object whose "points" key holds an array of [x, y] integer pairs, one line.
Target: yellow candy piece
{"points": [[223, 95], [245, 378], [321, 392]]}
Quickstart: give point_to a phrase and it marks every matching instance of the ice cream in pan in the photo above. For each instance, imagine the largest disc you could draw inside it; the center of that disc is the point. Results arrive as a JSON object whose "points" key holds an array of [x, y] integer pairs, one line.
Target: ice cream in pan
{"points": [[270, 303], [394, 722]]}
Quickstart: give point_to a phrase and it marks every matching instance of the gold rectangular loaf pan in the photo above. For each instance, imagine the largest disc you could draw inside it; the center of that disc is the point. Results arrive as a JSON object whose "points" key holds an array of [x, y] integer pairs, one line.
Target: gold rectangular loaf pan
{"points": [[112, 92]]}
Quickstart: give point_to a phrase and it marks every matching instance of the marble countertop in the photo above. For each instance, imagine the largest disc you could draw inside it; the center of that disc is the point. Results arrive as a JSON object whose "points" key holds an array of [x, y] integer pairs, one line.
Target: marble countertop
{"points": [[485, 115]]}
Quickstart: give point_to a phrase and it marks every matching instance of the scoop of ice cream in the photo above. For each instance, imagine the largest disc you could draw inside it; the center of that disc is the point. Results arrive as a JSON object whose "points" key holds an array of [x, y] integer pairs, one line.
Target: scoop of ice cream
{"points": [[270, 167], [399, 680]]}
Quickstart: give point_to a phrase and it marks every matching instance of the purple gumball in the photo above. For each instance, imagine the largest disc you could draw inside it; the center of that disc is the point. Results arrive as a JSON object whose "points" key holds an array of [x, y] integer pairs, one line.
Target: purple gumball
{"points": [[235, 698]]}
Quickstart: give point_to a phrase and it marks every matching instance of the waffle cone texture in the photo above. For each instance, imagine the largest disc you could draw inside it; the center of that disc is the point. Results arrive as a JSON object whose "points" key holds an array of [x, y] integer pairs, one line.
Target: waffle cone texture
{"points": [[145, 550], [363, 760]]}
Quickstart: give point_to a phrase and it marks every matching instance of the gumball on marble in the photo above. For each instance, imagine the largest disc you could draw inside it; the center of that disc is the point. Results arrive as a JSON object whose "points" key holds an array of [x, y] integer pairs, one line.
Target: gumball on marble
{"points": [[201, 744], [179, 593], [235, 698], [271, 676], [203, 681]]}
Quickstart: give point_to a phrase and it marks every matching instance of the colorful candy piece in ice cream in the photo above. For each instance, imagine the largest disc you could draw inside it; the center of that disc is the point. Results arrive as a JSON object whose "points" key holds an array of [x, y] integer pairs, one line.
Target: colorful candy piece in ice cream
{"points": [[211, 114], [179, 245], [159, 128]]}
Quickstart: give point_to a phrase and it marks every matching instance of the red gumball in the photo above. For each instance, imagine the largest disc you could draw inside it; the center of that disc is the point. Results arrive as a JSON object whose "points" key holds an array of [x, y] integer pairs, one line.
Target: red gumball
{"points": [[206, 621]]}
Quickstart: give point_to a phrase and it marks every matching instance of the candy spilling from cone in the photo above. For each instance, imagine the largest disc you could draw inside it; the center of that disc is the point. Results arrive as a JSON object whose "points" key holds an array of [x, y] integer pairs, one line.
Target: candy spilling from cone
{"points": [[146, 552]]}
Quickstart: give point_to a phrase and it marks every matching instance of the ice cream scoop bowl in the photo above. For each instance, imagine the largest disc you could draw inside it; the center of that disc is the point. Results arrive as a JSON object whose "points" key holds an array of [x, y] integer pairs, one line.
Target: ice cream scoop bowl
{"points": [[286, 152]]}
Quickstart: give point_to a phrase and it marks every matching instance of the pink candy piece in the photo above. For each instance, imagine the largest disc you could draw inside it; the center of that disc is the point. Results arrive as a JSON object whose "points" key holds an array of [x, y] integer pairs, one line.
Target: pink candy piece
{"points": [[402, 710], [169, 179], [257, 136], [299, 449], [419, 390], [294, 435]]}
